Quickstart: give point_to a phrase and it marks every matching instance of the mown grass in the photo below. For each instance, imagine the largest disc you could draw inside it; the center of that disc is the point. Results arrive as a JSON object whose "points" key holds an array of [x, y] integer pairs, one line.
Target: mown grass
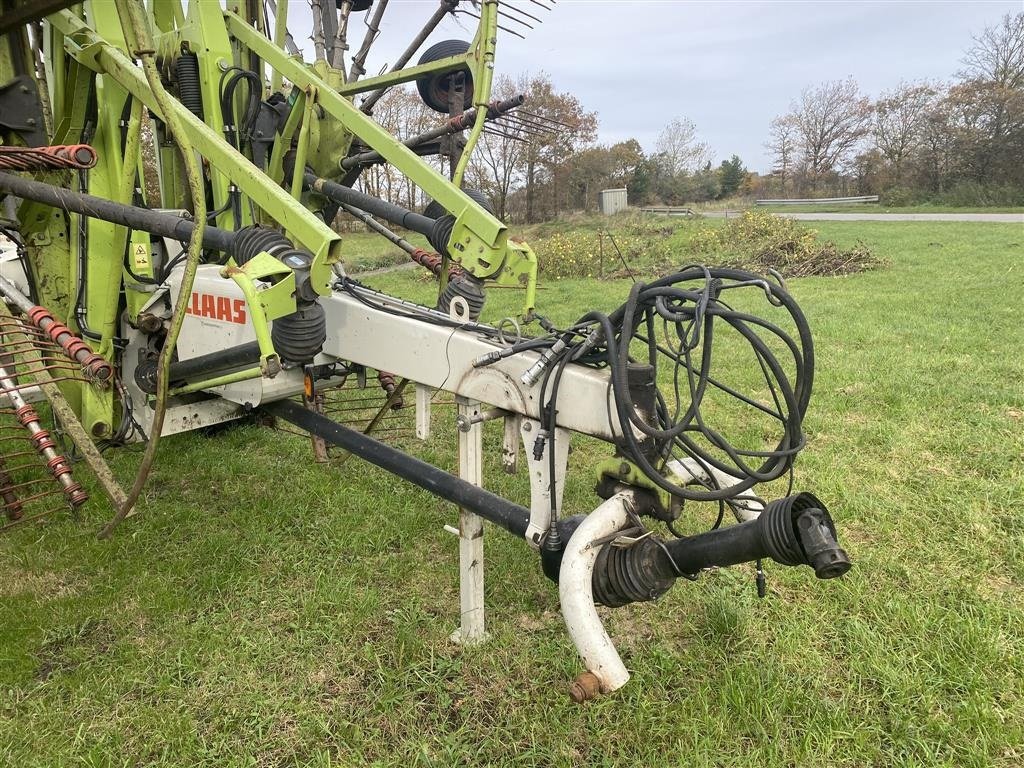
{"points": [[267, 611], [367, 251]]}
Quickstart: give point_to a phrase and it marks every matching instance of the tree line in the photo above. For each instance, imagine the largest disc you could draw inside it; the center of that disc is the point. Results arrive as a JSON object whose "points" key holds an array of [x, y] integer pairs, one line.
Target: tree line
{"points": [[960, 143]]}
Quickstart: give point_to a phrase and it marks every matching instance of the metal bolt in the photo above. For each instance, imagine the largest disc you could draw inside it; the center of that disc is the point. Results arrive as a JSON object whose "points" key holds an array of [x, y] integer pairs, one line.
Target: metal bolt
{"points": [[527, 426]]}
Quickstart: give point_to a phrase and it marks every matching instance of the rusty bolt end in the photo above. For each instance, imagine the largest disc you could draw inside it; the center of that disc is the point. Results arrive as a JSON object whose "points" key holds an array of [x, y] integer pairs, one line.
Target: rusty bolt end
{"points": [[149, 323], [585, 687], [398, 405]]}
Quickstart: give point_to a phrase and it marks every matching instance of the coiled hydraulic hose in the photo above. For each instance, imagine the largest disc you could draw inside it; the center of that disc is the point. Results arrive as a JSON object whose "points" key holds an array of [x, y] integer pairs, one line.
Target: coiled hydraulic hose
{"points": [[689, 304]]}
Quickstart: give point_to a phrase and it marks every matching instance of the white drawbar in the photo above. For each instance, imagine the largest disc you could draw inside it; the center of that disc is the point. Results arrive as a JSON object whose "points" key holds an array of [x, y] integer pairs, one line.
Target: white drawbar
{"points": [[577, 596]]}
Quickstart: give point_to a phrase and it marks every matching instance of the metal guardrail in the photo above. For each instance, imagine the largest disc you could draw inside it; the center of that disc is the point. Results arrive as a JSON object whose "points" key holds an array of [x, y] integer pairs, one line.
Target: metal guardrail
{"points": [[669, 210], [822, 201]]}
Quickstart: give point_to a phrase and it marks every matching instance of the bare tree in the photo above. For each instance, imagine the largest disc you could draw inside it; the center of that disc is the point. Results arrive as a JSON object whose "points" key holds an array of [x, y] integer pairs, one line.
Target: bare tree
{"points": [[997, 55], [899, 123], [497, 165], [782, 143], [403, 114], [990, 101], [682, 149], [831, 120]]}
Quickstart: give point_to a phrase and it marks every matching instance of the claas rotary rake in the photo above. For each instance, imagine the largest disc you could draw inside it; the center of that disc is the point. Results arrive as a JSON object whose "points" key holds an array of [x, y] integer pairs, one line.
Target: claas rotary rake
{"points": [[169, 175]]}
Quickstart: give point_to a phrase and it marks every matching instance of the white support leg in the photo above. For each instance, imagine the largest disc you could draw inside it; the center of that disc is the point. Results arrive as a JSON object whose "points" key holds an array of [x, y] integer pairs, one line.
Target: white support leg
{"points": [[510, 445], [471, 531], [422, 411]]}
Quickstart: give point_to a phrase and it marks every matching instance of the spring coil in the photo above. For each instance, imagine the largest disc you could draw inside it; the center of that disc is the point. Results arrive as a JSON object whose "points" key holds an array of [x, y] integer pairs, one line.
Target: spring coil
{"points": [[78, 156], [186, 69]]}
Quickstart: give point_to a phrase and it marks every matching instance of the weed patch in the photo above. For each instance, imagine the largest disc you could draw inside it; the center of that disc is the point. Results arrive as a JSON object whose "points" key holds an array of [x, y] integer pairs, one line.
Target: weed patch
{"points": [[760, 241]]}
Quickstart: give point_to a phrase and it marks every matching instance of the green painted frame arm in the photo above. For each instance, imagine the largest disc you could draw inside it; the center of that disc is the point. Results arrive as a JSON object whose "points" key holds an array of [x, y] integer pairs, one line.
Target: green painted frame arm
{"points": [[483, 75], [487, 235], [406, 75], [86, 46]]}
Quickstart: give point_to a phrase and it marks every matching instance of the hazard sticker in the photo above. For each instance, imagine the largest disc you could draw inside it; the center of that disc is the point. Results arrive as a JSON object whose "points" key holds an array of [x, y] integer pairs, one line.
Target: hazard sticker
{"points": [[140, 256]]}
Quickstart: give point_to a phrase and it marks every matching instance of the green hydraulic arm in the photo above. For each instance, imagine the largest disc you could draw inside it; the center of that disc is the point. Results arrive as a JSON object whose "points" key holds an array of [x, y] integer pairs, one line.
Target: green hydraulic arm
{"points": [[85, 45], [479, 241]]}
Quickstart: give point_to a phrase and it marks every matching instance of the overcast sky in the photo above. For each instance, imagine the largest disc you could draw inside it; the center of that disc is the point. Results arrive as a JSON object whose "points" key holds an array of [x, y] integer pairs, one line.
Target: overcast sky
{"points": [[730, 67]]}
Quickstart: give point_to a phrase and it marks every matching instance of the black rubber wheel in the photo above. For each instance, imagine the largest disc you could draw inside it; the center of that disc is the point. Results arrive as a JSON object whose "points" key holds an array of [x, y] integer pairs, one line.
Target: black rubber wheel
{"points": [[435, 210], [434, 88], [358, 6]]}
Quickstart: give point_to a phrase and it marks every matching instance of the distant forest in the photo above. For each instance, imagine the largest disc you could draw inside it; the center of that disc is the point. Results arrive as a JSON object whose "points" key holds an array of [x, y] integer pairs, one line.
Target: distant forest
{"points": [[953, 143]]}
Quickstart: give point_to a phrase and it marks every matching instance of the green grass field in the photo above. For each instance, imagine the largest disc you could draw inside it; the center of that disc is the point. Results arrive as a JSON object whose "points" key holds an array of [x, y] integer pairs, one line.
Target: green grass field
{"points": [[882, 208], [267, 611]]}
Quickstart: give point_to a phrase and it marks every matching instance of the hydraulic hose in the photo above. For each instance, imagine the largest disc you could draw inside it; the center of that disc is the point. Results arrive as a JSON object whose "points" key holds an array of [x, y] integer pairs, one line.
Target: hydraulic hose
{"points": [[135, 217]]}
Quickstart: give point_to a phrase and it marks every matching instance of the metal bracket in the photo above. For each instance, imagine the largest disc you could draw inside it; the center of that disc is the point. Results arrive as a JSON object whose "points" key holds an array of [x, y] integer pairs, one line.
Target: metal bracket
{"points": [[540, 478], [423, 393], [510, 444], [21, 110]]}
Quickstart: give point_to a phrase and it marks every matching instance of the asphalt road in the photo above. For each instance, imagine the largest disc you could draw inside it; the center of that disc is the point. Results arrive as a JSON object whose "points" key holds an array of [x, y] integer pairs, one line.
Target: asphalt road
{"points": [[1006, 218]]}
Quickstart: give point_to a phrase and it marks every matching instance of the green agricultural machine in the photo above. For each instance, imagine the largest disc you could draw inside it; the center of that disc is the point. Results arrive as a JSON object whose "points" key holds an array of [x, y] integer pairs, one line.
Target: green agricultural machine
{"points": [[170, 178]]}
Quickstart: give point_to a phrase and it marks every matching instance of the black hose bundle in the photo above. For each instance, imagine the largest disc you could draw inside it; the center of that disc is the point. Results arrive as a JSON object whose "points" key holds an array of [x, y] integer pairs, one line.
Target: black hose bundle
{"points": [[241, 130], [689, 307]]}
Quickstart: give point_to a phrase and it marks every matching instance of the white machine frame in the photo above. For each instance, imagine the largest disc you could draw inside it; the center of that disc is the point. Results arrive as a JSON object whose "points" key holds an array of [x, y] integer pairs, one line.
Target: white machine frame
{"points": [[438, 357]]}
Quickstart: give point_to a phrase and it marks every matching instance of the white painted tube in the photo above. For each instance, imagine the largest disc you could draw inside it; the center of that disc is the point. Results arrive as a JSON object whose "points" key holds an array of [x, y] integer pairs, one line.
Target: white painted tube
{"points": [[576, 593], [746, 506]]}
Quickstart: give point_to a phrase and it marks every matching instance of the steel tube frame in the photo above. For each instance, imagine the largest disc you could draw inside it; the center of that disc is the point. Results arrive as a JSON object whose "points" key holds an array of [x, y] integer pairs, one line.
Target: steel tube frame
{"points": [[512, 517], [343, 195]]}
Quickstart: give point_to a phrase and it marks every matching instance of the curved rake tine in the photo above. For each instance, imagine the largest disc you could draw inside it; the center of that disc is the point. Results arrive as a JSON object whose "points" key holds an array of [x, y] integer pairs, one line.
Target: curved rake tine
{"points": [[516, 128], [504, 29], [544, 118], [530, 127], [505, 135], [514, 19], [517, 9]]}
